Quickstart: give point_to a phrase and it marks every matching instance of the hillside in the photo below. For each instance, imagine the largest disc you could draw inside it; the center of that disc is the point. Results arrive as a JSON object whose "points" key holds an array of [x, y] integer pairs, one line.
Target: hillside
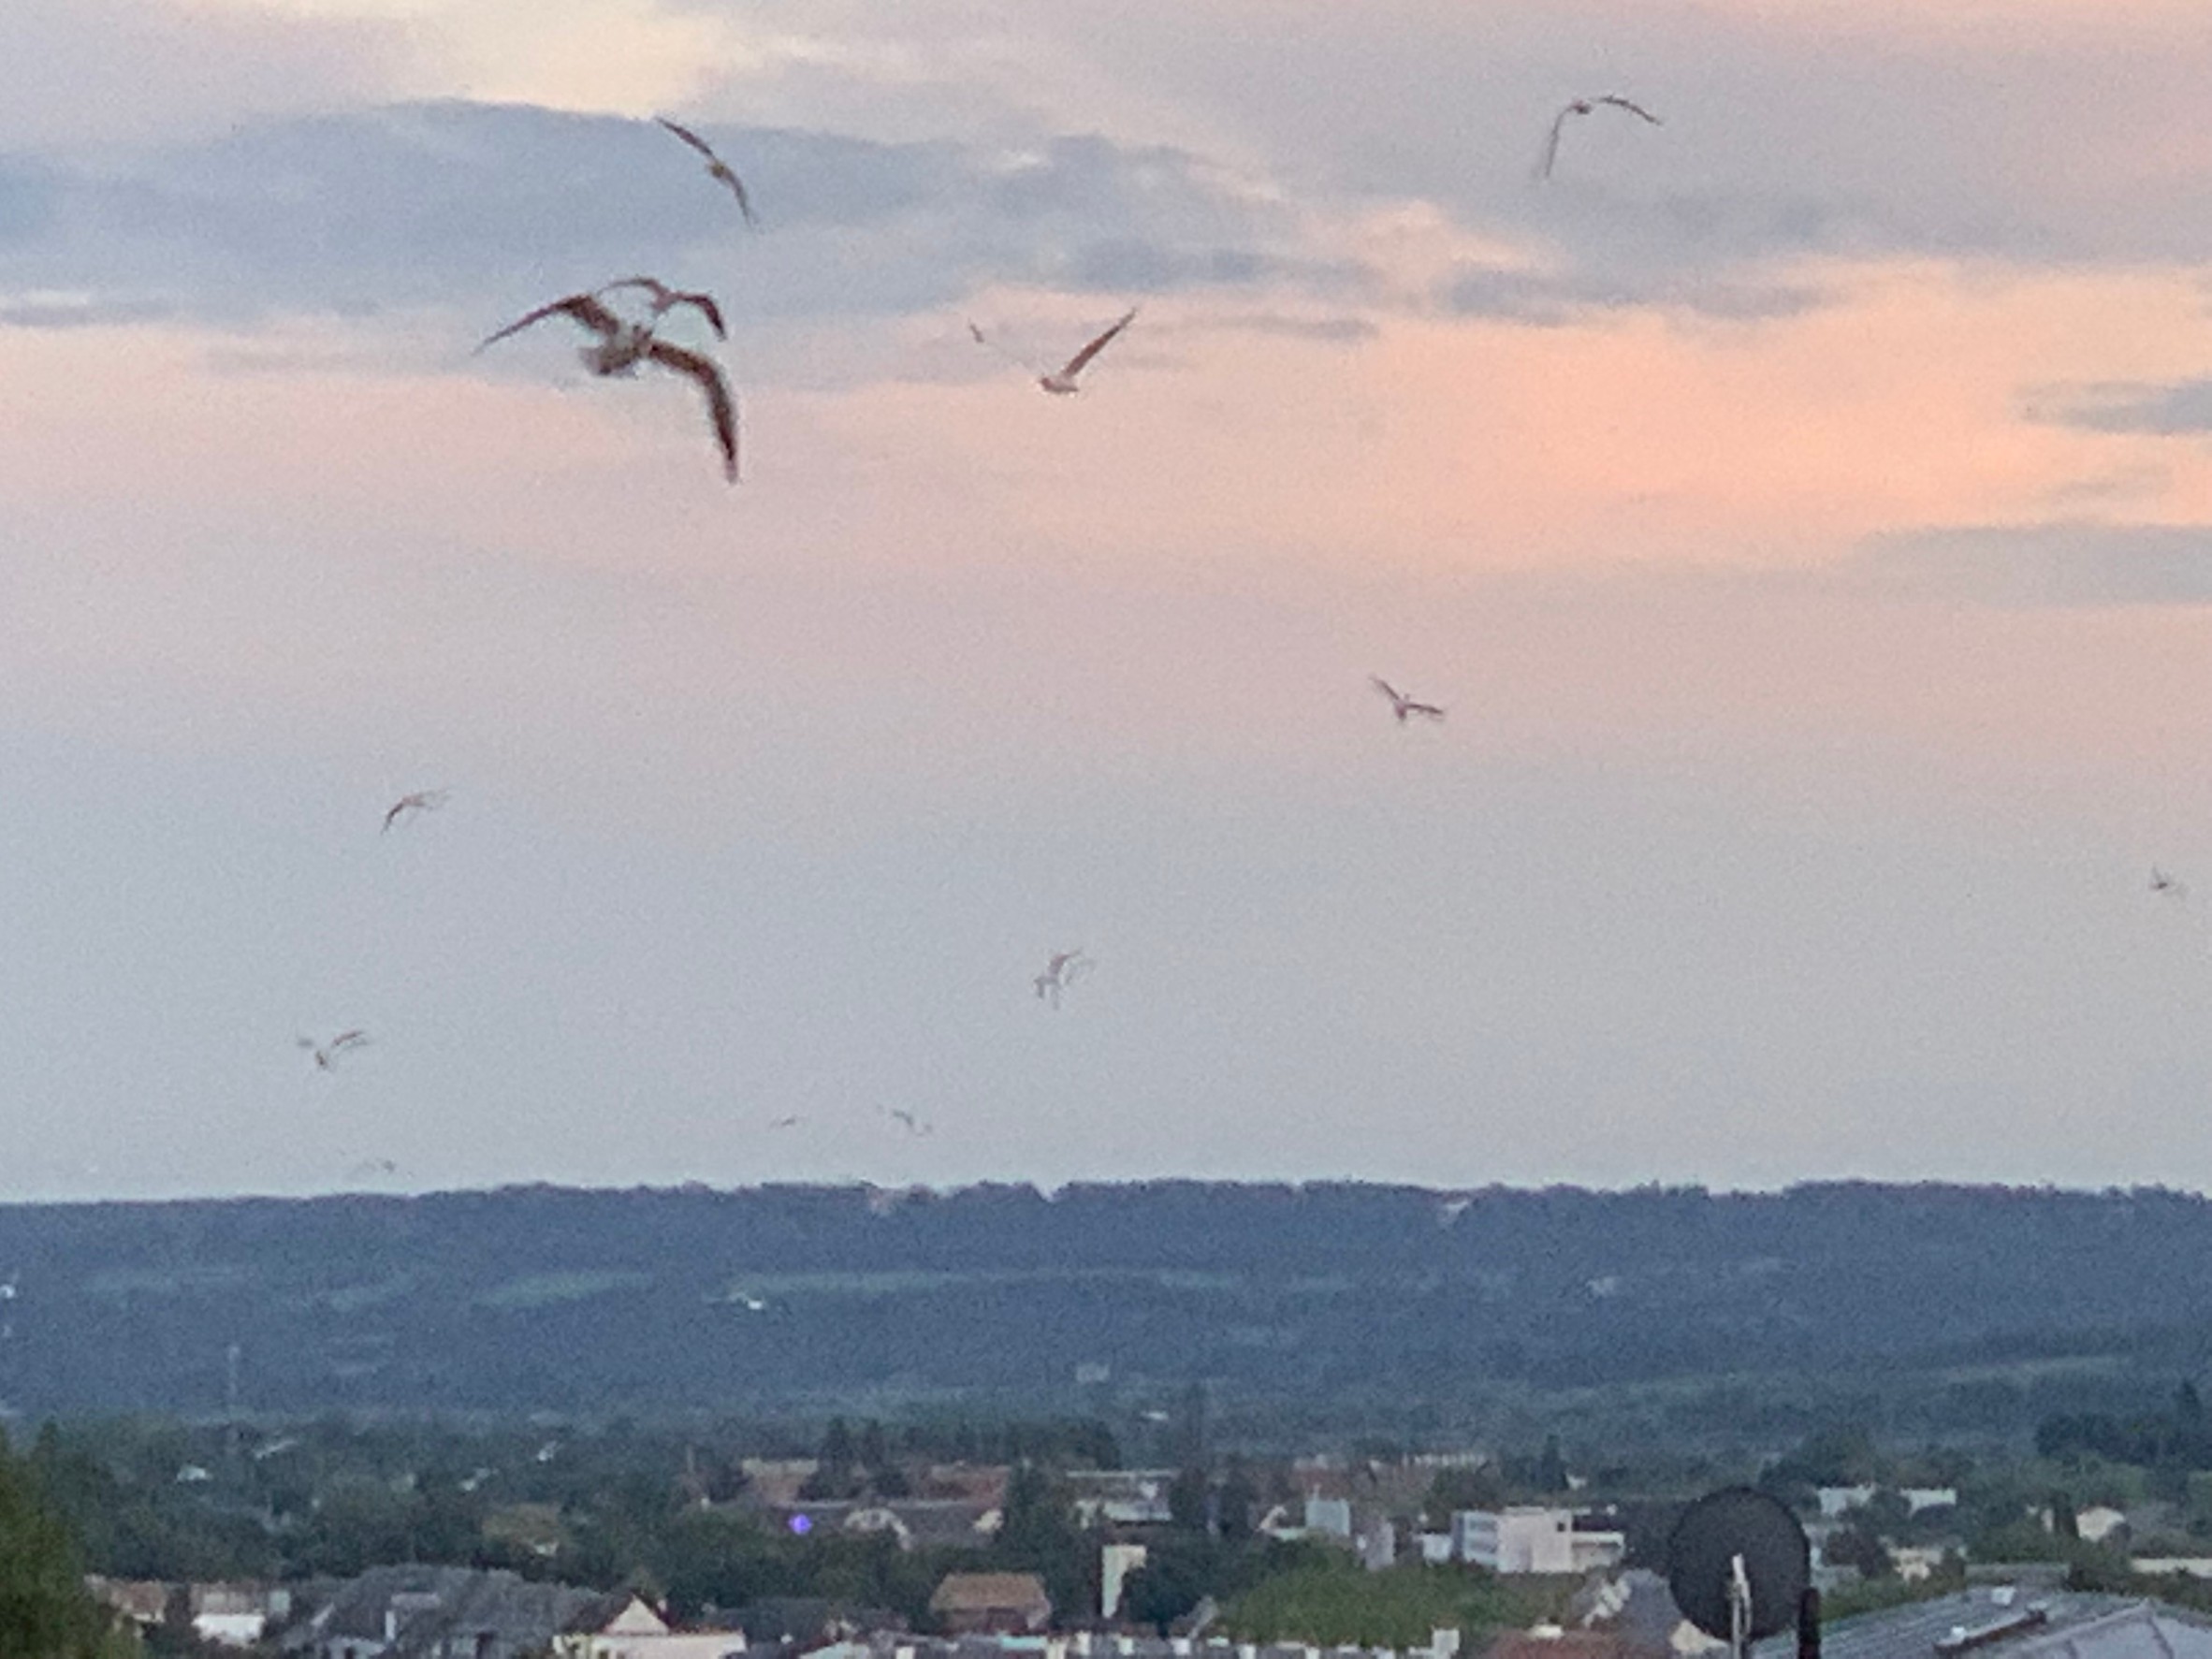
{"points": [[1320, 1301]]}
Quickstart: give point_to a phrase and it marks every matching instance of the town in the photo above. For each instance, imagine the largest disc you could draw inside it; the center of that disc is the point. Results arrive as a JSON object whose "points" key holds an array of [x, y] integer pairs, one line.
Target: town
{"points": [[961, 1540]]}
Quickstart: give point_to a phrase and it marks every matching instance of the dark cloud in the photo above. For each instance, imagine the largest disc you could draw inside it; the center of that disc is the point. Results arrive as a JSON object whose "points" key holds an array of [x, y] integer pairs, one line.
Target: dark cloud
{"points": [[489, 207], [2063, 565], [2172, 409]]}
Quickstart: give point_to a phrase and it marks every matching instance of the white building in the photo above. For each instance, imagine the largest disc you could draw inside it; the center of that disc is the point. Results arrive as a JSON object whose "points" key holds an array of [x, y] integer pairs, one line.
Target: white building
{"points": [[1116, 1562], [1842, 1499], [1328, 1518], [1523, 1539], [639, 1633]]}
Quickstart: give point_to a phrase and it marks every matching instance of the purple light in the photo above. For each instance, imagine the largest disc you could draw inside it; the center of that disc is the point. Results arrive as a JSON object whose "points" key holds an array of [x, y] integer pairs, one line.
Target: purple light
{"points": [[802, 1524]]}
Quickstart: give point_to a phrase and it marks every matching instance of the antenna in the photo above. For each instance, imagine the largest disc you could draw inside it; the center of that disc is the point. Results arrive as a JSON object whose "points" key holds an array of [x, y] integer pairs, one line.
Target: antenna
{"points": [[1741, 1570]]}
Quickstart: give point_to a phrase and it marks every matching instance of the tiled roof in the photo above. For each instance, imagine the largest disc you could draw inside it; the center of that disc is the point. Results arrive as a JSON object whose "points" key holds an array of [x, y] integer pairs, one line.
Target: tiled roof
{"points": [[1997, 1622], [985, 1593]]}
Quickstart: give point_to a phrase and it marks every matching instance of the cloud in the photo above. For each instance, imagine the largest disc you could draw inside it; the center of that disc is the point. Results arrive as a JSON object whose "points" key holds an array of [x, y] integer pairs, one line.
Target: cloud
{"points": [[2057, 565], [1559, 298], [495, 207], [2175, 409], [79, 71]]}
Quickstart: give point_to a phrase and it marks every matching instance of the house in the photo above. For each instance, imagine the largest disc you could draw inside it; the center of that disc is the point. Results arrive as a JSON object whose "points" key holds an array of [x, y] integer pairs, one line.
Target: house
{"points": [[1116, 1562], [1928, 1497], [1842, 1499], [2099, 1522], [992, 1604], [1121, 1497], [637, 1632], [436, 1612], [142, 1601], [2006, 1621], [1529, 1538], [235, 1615]]}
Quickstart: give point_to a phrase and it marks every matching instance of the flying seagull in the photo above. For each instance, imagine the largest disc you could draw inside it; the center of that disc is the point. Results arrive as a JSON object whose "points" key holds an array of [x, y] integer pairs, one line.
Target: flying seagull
{"points": [[1061, 969], [785, 1123], [2162, 883], [1584, 107], [716, 169], [1401, 705], [1060, 381], [622, 345], [422, 800], [899, 1114], [329, 1053], [665, 299]]}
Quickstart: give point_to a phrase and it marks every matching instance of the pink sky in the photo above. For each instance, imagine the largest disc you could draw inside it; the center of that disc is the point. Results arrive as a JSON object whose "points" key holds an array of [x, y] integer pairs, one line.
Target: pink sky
{"points": [[1814, 723]]}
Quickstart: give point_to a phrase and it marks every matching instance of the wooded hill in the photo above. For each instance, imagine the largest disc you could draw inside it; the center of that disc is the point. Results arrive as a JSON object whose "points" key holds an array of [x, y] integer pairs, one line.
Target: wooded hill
{"points": [[2005, 1303]]}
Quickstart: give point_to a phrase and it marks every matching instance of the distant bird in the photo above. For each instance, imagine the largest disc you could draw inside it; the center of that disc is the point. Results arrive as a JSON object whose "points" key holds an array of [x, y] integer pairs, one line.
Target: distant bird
{"points": [[422, 800], [716, 169], [548, 1451], [785, 1123], [622, 345], [1401, 705], [666, 299], [8, 1287], [2162, 883], [329, 1053], [1585, 107], [1060, 381], [1061, 969], [746, 1299], [368, 1169], [899, 1114]]}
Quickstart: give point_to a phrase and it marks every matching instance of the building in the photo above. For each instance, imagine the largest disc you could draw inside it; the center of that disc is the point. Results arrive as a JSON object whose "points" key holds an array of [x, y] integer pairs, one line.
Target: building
{"points": [[1328, 1518], [1116, 1562], [437, 1612], [1523, 1539], [992, 1604], [2007, 1621], [637, 1632], [1840, 1500]]}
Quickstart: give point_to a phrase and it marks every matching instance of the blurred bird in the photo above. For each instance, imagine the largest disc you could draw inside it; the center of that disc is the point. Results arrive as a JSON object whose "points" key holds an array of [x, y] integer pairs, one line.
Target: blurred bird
{"points": [[1401, 705], [2162, 883], [1585, 107], [716, 169], [665, 299], [899, 1114], [329, 1053], [422, 800], [1060, 381], [623, 345], [1061, 969], [785, 1123]]}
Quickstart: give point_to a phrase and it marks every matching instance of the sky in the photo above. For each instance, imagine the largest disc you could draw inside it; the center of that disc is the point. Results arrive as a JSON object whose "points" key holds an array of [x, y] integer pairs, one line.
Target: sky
{"points": [[1802, 509]]}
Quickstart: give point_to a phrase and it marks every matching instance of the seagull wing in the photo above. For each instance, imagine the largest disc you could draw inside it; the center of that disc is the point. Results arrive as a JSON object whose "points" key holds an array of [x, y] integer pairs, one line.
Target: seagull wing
{"points": [[720, 408], [392, 816], [1386, 689], [668, 298], [585, 308], [704, 304], [689, 137], [1633, 108], [1551, 143], [349, 1039], [1081, 360], [722, 172]]}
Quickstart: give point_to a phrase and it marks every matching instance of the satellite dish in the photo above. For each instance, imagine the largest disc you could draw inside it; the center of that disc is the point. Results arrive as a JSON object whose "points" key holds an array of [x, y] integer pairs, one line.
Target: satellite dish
{"points": [[1714, 1533]]}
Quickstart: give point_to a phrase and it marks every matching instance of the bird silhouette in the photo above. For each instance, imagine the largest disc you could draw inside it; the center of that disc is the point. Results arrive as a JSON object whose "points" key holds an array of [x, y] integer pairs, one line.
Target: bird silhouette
{"points": [[1585, 107], [1060, 381], [1403, 705], [716, 169]]}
